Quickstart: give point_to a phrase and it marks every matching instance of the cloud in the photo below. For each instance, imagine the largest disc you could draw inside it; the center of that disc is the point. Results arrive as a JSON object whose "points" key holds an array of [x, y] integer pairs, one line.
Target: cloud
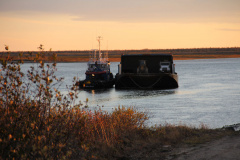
{"points": [[133, 10]]}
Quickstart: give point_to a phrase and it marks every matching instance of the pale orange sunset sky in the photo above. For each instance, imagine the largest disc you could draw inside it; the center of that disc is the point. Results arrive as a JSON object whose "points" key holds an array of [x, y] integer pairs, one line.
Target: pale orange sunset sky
{"points": [[123, 24]]}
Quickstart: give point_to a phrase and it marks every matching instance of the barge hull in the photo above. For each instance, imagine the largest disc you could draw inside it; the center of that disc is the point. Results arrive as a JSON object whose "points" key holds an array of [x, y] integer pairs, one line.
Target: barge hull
{"points": [[146, 81]]}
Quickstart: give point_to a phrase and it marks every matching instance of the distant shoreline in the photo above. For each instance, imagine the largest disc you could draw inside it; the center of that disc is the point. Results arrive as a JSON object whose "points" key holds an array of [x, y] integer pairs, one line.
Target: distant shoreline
{"points": [[115, 55], [204, 57], [119, 59], [192, 57]]}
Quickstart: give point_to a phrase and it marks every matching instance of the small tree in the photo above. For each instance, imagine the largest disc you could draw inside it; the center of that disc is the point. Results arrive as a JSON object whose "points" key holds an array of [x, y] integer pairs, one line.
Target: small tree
{"points": [[31, 105]]}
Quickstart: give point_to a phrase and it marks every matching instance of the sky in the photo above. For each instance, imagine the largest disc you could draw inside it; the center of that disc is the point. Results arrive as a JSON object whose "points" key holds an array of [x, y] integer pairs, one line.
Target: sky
{"points": [[122, 24]]}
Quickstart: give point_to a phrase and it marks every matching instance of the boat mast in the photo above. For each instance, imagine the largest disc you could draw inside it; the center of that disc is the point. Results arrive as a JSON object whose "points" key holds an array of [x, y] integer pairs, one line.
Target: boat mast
{"points": [[99, 38], [106, 55]]}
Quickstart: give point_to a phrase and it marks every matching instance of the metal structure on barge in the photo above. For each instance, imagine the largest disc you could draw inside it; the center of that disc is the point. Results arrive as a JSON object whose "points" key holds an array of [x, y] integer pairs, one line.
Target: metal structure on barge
{"points": [[146, 71], [98, 74]]}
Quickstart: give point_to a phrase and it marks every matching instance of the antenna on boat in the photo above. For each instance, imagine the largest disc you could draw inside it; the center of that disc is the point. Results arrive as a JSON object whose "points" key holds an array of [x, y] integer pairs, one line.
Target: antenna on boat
{"points": [[107, 52], [99, 38]]}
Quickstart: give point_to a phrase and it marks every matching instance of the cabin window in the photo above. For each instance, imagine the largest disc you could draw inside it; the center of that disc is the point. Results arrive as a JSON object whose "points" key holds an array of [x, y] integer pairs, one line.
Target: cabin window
{"points": [[164, 66]]}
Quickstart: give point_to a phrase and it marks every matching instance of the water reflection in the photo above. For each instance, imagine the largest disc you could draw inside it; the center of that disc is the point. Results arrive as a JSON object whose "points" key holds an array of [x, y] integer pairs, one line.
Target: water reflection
{"points": [[130, 94], [111, 95], [97, 91]]}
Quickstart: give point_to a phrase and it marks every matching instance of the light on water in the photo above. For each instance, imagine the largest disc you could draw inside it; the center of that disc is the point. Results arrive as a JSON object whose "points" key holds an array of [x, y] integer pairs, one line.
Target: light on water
{"points": [[209, 93]]}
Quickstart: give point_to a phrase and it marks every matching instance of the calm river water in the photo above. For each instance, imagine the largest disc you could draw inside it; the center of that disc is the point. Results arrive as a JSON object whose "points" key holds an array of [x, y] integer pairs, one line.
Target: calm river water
{"points": [[208, 93]]}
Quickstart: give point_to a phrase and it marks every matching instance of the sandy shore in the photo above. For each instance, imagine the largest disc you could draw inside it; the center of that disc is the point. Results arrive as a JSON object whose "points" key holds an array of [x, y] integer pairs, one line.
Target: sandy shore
{"points": [[226, 148]]}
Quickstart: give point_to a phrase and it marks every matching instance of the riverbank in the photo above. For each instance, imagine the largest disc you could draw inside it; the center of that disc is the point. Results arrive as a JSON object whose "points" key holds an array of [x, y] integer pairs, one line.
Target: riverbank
{"points": [[176, 143], [175, 57], [211, 56], [217, 144], [115, 55], [225, 148]]}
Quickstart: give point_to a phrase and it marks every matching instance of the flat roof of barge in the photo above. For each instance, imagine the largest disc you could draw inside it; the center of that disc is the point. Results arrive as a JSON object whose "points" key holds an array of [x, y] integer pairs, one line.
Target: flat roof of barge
{"points": [[168, 55]]}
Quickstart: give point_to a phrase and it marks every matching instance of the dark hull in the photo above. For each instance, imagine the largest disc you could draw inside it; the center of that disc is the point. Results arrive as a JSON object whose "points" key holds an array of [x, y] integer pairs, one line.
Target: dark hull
{"points": [[146, 81], [96, 84]]}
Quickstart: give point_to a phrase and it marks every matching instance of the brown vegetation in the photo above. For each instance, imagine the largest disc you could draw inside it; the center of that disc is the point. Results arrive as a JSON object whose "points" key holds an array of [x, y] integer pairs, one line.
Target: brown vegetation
{"points": [[38, 122]]}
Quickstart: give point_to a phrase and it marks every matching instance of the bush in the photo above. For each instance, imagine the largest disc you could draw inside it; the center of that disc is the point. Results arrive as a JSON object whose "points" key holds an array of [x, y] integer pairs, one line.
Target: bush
{"points": [[38, 122]]}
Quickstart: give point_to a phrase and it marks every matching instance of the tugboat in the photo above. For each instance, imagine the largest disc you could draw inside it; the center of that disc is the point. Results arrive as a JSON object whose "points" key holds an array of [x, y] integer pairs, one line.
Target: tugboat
{"points": [[146, 71], [98, 74]]}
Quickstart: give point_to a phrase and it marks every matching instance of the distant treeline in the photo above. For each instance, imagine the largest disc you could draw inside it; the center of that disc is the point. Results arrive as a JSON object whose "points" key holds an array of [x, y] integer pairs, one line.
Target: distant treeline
{"points": [[81, 55]]}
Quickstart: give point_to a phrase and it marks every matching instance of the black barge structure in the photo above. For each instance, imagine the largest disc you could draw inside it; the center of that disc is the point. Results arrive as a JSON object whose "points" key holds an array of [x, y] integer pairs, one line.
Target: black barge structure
{"points": [[146, 71]]}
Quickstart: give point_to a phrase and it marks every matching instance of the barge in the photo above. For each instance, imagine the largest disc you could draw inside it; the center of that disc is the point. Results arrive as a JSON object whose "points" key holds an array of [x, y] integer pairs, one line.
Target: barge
{"points": [[146, 71]]}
